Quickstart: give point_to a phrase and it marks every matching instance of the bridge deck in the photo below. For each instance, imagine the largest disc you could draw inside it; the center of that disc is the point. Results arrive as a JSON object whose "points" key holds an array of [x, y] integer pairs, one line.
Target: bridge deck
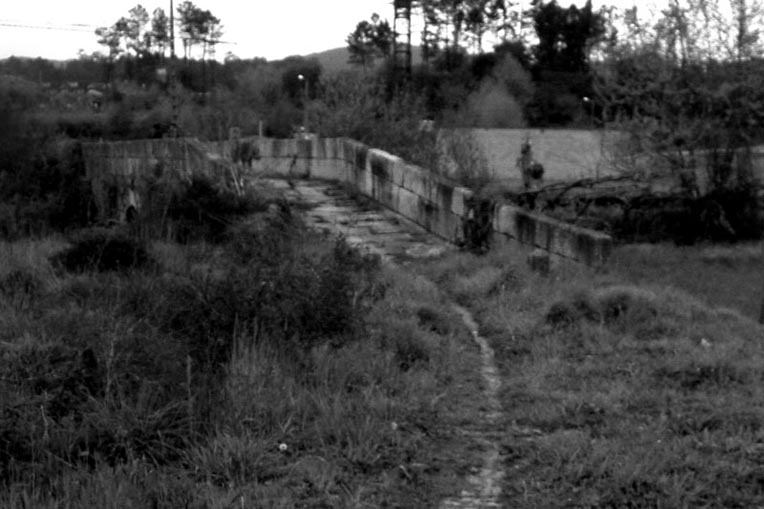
{"points": [[364, 224]]}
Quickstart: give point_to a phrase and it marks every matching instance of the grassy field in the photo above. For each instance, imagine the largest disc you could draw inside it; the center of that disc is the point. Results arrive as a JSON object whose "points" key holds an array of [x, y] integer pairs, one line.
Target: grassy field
{"points": [[729, 276], [617, 394], [278, 369]]}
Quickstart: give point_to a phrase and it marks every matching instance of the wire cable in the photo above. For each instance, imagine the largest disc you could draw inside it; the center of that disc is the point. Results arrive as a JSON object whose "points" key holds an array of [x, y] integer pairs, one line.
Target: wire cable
{"points": [[43, 27]]}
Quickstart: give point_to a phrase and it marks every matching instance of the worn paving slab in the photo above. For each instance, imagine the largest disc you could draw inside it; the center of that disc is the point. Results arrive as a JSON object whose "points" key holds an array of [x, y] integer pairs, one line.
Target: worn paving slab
{"points": [[363, 223]]}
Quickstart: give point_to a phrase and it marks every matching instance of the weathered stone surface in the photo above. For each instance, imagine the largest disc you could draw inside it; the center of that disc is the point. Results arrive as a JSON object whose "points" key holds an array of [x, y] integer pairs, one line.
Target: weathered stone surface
{"points": [[380, 230], [415, 193]]}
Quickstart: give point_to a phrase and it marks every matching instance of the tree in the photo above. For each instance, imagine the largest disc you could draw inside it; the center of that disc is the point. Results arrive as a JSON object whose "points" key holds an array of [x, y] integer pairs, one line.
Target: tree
{"points": [[159, 36], [370, 40], [565, 35], [135, 27], [198, 27], [125, 38], [454, 24], [109, 37], [692, 109]]}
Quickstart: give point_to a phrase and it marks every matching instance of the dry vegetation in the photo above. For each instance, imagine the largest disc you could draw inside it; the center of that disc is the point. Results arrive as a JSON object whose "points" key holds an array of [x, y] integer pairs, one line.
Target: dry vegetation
{"points": [[617, 394], [277, 369]]}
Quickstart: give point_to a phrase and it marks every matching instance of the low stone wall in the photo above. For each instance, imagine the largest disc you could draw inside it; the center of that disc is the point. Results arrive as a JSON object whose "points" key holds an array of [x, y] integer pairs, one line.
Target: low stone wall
{"points": [[122, 173], [579, 244], [436, 203]]}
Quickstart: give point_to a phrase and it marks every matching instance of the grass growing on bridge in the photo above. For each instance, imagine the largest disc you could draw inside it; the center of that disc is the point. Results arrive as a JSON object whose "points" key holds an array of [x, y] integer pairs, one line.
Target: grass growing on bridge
{"points": [[616, 394], [276, 370]]}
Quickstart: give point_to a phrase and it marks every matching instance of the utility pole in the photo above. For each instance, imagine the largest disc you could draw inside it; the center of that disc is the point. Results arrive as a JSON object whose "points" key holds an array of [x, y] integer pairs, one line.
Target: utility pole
{"points": [[304, 80], [173, 94], [402, 38], [172, 31]]}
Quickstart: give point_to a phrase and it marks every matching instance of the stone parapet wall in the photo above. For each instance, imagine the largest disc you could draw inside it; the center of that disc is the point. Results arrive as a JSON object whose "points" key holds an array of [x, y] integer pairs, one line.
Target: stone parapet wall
{"points": [[436, 203], [568, 241], [122, 173]]}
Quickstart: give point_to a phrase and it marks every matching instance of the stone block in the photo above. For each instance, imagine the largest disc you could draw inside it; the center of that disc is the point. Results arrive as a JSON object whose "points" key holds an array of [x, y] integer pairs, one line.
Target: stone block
{"points": [[349, 150], [459, 201], [545, 230], [415, 180], [303, 149], [399, 170], [441, 195], [381, 164], [382, 190], [408, 204], [504, 220], [320, 149], [327, 169], [449, 226], [592, 248]]}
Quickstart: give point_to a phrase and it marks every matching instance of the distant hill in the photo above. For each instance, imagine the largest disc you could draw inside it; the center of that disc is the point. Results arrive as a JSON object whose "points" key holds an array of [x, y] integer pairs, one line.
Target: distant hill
{"points": [[334, 60]]}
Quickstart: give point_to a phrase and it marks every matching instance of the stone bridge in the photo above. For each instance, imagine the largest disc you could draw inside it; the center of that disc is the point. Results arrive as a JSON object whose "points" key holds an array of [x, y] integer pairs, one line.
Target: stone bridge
{"points": [[122, 173], [379, 203]]}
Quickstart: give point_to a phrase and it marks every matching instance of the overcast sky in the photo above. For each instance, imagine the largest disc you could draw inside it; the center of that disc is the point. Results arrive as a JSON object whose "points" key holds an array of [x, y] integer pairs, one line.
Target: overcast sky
{"points": [[57, 29]]}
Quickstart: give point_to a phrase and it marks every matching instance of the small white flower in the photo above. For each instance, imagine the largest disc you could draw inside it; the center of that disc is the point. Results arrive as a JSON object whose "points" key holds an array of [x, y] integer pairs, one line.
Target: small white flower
{"points": [[282, 447]]}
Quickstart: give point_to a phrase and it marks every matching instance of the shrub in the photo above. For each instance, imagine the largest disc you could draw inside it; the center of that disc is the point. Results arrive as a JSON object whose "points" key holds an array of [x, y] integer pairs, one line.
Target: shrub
{"points": [[463, 155], [573, 310], [623, 309], [204, 211], [102, 249]]}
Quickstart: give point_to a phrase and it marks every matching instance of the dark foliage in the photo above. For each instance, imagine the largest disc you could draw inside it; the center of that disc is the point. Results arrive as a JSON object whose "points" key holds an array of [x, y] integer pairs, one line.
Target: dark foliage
{"points": [[43, 185], [477, 228], [20, 288], [725, 215], [567, 312], [204, 211], [101, 249]]}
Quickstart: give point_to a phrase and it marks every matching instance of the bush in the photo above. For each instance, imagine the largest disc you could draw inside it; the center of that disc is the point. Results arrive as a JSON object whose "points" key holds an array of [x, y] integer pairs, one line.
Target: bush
{"points": [[464, 159], [102, 250], [204, 211], [624, 310], [728, 214]]}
